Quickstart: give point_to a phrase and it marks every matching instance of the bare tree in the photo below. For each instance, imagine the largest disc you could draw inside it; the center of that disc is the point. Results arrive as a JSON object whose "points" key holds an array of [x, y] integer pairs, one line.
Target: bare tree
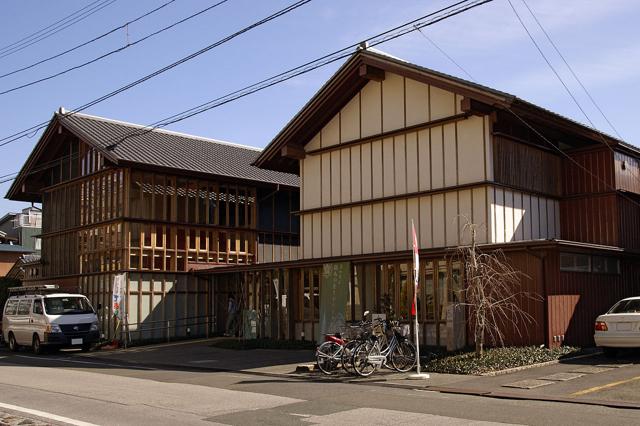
{"points": [[494, 294]]}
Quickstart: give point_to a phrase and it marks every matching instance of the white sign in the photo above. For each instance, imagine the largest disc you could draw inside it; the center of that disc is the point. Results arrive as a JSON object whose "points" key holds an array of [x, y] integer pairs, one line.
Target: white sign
{"points": [[118, 291]]}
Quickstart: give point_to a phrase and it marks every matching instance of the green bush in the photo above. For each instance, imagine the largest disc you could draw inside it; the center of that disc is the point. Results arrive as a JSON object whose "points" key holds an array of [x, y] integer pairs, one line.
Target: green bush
{"points": [[497, 359], [239, 344]]}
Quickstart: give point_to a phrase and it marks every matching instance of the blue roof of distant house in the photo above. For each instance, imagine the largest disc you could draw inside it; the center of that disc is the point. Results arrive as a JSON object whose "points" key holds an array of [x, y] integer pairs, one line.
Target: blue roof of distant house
{"points": [[14, 248]]}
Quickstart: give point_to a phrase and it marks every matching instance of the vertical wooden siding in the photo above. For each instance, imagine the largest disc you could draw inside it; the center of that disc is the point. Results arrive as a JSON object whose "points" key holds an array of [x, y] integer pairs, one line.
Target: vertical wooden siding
{"points": [[592, 219], [526, 167], [627, 178], [629, 221], [576, 299], [576, 180]]}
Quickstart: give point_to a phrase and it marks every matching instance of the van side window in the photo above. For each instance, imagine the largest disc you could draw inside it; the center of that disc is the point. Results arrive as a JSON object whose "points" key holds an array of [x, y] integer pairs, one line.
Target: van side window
{"points": [[11, 308], [37, 307], [24, 307]]}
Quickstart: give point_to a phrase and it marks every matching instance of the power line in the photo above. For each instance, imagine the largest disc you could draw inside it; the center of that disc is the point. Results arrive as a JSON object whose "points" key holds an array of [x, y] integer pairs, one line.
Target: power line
{"points": [[3, 48], [112, 52], [399, 31], [575, 100], [54, 31], [540, 135], [19, 135], [593, 101], [93, 40], [445, 54]]}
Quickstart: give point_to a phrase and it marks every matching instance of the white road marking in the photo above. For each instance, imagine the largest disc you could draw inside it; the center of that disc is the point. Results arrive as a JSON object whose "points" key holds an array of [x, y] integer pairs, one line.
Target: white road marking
{"points": [[45, 415], [77, 361]]}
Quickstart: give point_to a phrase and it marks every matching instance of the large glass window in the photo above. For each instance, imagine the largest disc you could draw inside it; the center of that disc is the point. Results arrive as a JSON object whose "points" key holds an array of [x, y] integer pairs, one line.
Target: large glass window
{"points": [[574, 262]]}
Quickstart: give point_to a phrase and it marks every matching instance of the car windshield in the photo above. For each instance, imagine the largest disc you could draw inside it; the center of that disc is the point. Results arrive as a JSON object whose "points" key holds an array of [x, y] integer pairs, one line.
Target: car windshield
{"points": [[626, 307], [67, 306]]}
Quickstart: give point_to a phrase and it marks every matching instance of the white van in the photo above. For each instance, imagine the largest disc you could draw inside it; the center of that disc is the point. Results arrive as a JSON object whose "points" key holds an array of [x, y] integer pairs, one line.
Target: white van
{"points": [[39, 316]]}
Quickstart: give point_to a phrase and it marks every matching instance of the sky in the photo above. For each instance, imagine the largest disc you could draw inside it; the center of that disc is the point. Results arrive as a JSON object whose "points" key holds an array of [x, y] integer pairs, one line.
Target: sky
{"points": [[599, 39]]}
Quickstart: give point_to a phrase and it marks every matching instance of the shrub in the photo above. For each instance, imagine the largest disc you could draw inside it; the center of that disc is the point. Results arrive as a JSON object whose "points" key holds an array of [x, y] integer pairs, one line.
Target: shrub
{"points": [[497, 359]]}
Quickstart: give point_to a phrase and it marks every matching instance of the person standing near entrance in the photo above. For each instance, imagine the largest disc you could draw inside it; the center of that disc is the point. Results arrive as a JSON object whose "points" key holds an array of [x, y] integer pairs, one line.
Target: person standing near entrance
{"points": [[232, 312]]}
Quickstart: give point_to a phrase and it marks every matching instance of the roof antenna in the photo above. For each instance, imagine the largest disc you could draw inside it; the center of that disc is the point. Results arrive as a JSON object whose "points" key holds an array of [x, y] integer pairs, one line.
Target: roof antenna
{"points": [[62, 111], [364, 45]]}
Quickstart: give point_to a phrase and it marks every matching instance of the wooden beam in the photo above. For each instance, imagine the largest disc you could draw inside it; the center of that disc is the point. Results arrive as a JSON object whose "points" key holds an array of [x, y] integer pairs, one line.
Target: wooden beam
{"points": [[471, 106], [371, 73], [294, 152]]}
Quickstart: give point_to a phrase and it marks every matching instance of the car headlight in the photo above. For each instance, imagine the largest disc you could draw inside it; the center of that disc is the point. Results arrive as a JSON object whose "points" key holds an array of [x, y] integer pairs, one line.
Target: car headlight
{"points": [[54, 328], [94, 326]]}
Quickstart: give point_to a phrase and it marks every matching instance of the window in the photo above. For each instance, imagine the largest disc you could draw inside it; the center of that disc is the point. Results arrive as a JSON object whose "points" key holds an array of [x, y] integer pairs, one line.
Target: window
{"points": [[11, 308], [572, 262], [605, 265], [24, 307], [37, 307]]}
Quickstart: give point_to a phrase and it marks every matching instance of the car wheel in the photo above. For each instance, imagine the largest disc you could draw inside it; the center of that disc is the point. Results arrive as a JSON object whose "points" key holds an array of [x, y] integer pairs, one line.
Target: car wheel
{"points": [[36, 346], [610, 352], [13, 345]]}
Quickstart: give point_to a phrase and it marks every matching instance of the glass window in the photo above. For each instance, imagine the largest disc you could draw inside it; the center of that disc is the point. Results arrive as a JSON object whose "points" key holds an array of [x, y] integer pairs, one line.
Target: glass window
{"points": [[37, 307], [429, 292], [67, 305], [11, 308], [404, 303], [306, 295], [573, 262], [626, 307], [605, 265], [24, 307]]}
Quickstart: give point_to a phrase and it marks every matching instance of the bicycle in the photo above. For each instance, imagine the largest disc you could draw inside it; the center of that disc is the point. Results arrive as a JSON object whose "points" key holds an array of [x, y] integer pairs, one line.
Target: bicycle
{"points": [[337, 350], [372, 354]]}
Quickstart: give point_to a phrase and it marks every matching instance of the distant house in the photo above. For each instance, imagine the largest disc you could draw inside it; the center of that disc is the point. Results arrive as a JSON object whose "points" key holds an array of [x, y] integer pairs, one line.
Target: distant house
{"points": [[9, 254], [22, 228]]}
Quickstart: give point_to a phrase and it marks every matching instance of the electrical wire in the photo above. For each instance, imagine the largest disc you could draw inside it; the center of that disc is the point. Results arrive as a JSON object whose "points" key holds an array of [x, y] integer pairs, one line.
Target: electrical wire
{"points": [[82, 17], [399, 31], [112, 52], [86, 43], [593, 101], [16, 136], [445, 54], [3, 48]]}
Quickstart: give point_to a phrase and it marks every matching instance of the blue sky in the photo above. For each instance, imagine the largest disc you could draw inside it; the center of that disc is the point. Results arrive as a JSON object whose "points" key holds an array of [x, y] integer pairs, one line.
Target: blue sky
{"points": [[600, 39]]}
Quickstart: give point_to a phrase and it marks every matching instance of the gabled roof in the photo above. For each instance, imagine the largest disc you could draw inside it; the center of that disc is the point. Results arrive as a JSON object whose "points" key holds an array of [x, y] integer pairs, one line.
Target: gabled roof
{"points": [[127, 144], [351, 78]]}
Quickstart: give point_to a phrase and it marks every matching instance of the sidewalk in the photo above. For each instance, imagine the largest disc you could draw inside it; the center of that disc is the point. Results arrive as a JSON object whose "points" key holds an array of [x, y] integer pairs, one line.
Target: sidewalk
{"points": [[588, 380]]}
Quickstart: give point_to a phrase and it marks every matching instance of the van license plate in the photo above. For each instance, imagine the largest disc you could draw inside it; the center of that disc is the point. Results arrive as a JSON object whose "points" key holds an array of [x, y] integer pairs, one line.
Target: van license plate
{"points": [[76, 341]]}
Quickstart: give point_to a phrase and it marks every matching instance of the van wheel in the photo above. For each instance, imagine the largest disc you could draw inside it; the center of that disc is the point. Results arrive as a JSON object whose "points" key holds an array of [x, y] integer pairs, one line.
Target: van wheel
{"points": [[37, 347], [13, 345]]}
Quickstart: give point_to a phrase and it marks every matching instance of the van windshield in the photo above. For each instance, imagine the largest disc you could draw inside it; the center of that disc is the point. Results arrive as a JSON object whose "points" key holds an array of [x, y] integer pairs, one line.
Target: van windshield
{"points": [[67, 306]]}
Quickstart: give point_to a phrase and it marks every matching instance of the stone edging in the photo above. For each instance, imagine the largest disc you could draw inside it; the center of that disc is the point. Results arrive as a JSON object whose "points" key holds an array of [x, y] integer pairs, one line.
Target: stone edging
{"points": [[527, 367]]}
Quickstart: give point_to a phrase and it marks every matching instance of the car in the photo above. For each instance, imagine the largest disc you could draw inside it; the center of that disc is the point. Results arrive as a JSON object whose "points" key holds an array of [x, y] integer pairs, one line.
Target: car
{"points": [[42, 316], [619, 327]]}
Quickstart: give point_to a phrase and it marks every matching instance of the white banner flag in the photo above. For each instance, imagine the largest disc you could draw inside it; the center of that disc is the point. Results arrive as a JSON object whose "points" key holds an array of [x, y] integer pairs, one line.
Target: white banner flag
{"points": [[118, 292]]}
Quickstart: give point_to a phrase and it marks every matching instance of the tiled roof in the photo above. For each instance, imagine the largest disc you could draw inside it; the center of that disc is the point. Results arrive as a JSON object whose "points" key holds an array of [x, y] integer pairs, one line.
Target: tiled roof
{"points": [[136, 144]]}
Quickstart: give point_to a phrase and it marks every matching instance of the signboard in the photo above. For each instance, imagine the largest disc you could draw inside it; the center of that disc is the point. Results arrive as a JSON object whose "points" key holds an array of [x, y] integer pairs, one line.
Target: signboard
{"points": [[119, 284], [334, 296]]}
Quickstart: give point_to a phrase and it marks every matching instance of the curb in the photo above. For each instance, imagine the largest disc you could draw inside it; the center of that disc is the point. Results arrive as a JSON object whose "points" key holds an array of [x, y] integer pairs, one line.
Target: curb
{"points": [[528, 367]]}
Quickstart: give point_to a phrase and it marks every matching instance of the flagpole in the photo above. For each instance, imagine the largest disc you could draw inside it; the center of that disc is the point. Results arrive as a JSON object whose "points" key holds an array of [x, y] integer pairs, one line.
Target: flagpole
{"points": [[416, 281]]}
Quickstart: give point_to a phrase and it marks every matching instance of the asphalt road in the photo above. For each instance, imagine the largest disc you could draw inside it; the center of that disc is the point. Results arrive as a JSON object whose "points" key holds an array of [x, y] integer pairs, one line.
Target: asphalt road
{"points": [[80, 391]]}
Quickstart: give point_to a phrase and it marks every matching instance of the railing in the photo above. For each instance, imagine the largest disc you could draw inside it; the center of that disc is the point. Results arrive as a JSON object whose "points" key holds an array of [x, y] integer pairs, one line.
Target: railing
{"points": [[186, 323]]}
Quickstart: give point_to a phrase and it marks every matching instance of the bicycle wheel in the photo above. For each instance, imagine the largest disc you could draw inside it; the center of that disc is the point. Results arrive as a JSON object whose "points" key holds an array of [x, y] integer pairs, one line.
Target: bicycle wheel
{"points": [[403, 357], [328, 357], [347, 355], [362, 364]]}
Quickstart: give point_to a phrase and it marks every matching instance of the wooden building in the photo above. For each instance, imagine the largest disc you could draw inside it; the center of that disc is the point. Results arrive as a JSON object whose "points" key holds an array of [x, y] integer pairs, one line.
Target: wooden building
{"points": [[384, 143], [156, 205]]}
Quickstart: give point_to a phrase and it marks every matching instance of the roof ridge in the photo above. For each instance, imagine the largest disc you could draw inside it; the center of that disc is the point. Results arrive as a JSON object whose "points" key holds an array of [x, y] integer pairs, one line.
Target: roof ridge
{"points": [[158, 130]]}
